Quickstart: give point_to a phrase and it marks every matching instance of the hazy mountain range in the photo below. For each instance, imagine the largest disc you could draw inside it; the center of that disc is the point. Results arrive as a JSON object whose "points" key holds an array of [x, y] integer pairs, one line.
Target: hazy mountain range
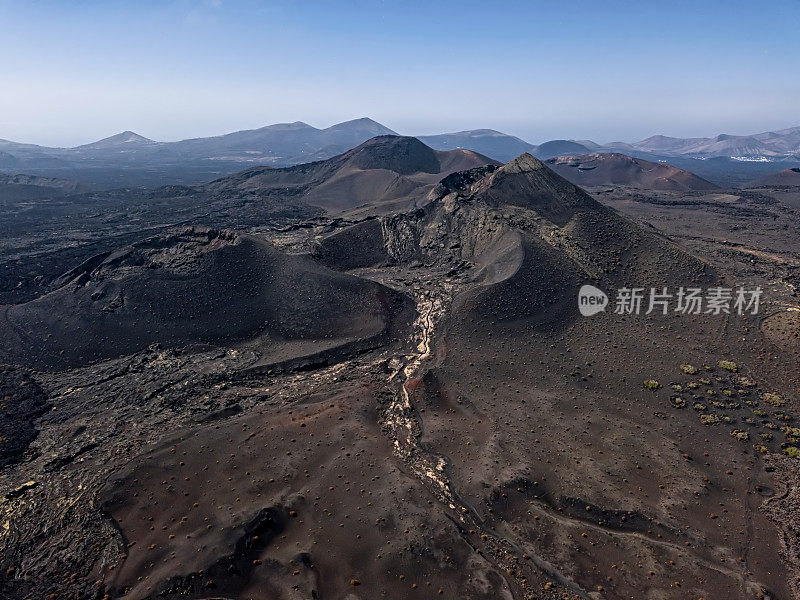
{"points": [[771, 144], [128, 159]]}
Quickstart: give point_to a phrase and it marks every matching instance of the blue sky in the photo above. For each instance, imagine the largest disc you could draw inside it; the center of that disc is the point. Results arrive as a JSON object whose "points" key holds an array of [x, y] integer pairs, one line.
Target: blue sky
{"points": [[75, 71]]}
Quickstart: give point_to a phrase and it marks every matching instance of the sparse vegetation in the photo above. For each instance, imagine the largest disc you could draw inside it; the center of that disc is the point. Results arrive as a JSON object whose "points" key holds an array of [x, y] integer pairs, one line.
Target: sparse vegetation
{"points": [[709, 419], [792, 451], [651, 384], [728, 365], [745, 381], [773, 399]]}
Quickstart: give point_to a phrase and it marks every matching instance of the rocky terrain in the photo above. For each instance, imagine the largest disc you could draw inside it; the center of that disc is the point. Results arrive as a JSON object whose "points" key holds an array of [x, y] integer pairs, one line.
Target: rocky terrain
{"points": [[40, 241], [368, 377]]}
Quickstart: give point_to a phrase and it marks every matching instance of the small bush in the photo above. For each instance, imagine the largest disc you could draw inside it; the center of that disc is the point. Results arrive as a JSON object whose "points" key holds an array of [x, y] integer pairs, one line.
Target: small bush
{"points": [[792, 451], [773, 398]]}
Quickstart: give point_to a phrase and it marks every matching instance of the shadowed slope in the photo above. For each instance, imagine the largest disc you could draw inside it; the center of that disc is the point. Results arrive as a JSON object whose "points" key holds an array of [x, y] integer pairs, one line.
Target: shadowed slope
{"points": [[549, 436], [195, 287]]}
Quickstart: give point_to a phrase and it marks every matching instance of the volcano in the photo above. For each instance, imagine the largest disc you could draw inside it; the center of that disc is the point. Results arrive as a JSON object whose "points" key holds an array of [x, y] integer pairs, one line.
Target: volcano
{"points": [[385, 173], [622, 170]]}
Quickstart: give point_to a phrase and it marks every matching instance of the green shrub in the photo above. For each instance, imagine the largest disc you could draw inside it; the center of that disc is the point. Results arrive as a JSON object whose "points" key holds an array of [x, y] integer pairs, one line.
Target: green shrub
{"points": [[773, 398], [792, 451]]}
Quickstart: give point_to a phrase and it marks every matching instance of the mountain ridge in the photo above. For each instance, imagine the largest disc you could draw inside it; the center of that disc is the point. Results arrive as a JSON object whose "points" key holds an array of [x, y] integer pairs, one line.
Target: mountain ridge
{"points": [[130, 159], [771, 142]]}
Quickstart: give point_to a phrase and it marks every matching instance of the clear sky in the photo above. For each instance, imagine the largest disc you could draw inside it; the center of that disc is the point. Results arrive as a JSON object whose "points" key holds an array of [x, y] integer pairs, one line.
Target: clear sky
{"points": [[75, 71]]}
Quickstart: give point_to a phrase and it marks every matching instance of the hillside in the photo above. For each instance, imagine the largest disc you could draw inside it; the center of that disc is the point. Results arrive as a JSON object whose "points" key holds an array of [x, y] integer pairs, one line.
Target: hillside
{"points": [[196, 288], [18, 187], [620, 169], [383, 173], [788, 177]]}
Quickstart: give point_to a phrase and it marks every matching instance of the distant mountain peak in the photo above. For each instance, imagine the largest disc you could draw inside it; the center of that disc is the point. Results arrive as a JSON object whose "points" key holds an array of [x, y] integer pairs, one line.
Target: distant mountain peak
{"points": [[479, 133], [560, 147], [362, 124], [487, 142], [128, 136], [396, 153], [120, 139], [361, 120], [659, 137], [282, 127]]}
